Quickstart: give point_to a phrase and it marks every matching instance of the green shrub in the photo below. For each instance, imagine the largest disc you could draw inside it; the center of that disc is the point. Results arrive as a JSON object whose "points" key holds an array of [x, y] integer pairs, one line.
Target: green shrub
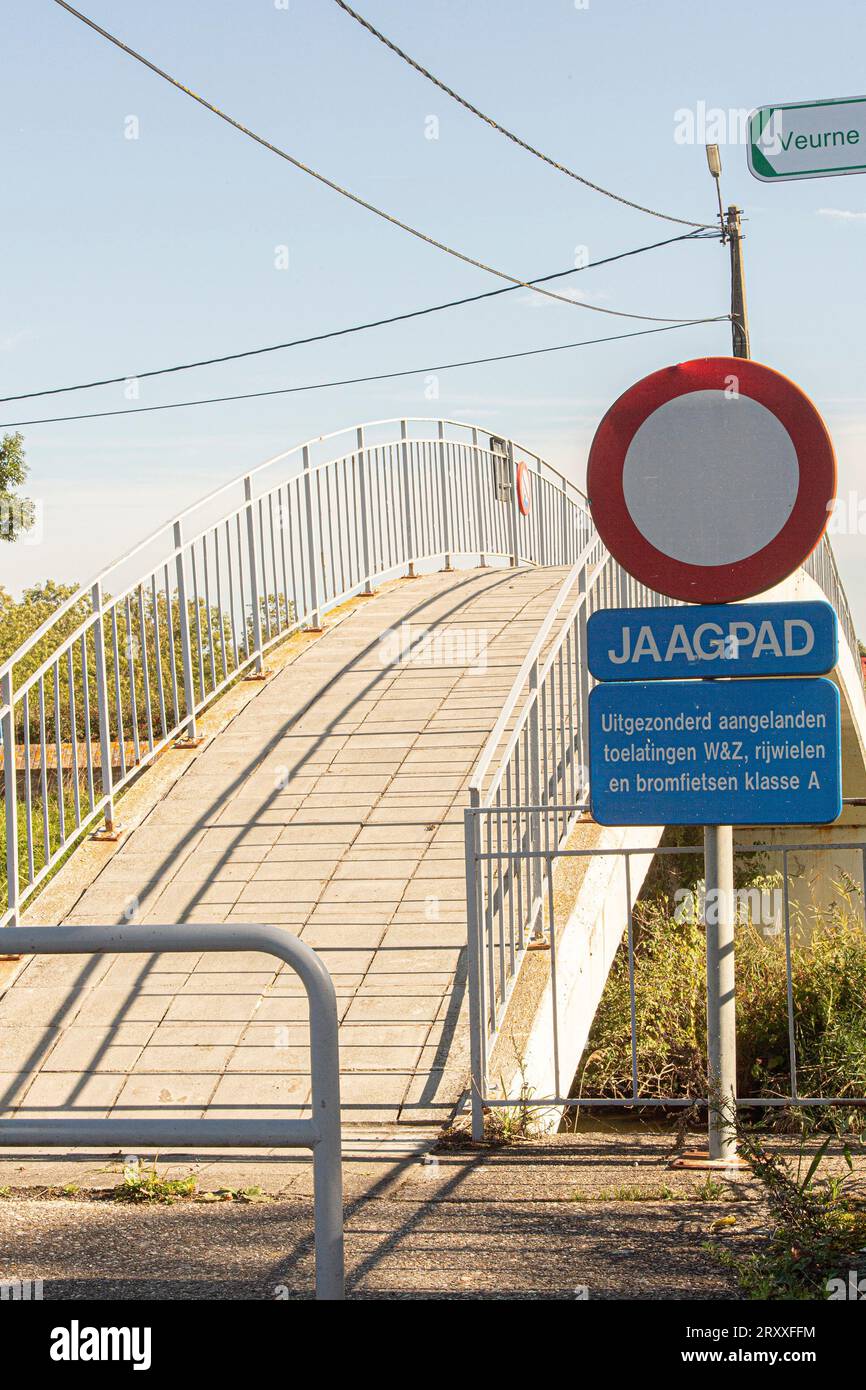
{"points": [[818, 1225]]}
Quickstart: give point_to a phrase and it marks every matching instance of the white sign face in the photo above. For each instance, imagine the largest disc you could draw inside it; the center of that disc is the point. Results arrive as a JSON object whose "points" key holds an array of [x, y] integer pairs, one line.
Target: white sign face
{"points": [[808, 140], [709, 480]]}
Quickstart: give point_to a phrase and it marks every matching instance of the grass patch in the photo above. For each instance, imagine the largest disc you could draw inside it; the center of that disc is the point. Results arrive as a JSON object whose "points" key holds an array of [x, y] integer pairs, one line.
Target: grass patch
{"points": [[143, 1183], [507, 1124], [632, 1192], [708, 1191], [711, 1190]]}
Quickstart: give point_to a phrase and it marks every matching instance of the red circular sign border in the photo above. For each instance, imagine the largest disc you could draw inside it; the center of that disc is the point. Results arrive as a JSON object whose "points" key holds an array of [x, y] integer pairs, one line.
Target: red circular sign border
{"points": [[524, 497], [711, 583]]}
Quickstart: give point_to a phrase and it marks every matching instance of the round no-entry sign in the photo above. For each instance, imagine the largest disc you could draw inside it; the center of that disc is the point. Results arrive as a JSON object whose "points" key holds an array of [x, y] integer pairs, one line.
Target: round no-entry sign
{"points": [[523, 494], [710, 481]]}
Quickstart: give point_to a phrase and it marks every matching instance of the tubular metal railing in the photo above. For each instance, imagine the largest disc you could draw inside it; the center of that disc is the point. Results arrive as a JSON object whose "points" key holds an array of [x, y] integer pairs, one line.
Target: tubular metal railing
{"points": [[531, 783], [321, 1133], [777, 927], [124, 666]]}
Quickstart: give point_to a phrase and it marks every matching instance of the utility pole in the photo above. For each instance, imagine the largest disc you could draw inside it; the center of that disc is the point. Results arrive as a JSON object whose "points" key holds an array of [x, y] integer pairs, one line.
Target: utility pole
{"points": [[739, 313]]}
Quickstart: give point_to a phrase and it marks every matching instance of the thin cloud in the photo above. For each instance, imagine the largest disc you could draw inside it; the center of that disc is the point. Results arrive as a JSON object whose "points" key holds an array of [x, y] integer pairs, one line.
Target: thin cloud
{"points": [[10, 341], [536, 301], [842, 214]]}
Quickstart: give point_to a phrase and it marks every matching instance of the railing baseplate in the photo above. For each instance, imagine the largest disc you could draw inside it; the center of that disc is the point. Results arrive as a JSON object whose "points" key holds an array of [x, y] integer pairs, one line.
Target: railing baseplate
{"points": [[109, 833], [699, 1159]]}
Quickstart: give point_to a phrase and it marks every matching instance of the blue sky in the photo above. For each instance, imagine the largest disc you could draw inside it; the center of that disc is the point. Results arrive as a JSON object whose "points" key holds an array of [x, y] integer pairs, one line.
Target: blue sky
{"points": [[121, 255]]}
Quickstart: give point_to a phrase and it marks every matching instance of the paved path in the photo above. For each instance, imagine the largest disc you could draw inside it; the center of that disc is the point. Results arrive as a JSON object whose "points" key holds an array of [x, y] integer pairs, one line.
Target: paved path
{"points": [[332, 804], [503, 1223]]}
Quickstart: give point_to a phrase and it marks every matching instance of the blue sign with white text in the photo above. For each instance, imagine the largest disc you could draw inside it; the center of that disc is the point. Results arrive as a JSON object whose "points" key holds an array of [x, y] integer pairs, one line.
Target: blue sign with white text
{"points": [[726, 639], [758, 752]]}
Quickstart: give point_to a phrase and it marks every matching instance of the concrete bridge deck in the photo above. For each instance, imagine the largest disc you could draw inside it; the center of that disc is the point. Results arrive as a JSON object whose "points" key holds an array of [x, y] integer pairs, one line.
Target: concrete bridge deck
{"points": [[332, 803]]}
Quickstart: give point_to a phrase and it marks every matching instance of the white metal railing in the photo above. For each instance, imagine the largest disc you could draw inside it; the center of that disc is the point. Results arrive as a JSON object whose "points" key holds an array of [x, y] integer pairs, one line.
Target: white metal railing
{"points": [[125, 665], [646, 1089], [821, 566], [530, 785]]}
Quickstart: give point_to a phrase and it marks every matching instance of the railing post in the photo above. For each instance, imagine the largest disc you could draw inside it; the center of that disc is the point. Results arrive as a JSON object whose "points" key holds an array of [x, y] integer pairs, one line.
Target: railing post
{"points": [[541, 508], [583, 680], [190, 736], [10, 787], [515, 510], [315, 623], [408, 510], [537, 871], [102, 708], [252, 555], [365, 513], [565, 556], [445, 495], [327, 1157], [482, 510], [475, 968]]}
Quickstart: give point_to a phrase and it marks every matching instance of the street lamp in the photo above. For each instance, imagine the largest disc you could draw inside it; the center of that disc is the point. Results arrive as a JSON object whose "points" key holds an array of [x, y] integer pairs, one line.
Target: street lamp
{"points": [[714, 163]]}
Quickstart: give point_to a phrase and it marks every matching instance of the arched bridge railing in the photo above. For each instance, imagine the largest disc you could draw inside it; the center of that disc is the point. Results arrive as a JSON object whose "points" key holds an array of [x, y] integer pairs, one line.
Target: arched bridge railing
{"points": [[124, 666]]}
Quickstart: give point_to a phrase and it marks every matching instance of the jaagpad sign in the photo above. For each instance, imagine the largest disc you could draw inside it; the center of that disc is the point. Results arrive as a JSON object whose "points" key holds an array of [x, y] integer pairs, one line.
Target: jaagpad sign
{"points": [[755, 752], [709, 640]]}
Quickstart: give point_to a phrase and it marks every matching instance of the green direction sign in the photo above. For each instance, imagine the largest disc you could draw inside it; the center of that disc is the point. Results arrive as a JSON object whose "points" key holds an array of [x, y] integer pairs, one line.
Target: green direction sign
{"points": [[808, 139]]}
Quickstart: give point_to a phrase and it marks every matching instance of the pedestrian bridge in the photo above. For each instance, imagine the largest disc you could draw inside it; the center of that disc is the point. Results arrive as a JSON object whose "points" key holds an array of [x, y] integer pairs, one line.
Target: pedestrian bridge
{"points": [[280, 708]]}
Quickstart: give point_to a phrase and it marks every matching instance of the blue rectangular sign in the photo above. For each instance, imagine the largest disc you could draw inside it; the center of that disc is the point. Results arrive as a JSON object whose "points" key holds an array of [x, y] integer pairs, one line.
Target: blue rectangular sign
{"points": [[726, 639], [760, 752]]}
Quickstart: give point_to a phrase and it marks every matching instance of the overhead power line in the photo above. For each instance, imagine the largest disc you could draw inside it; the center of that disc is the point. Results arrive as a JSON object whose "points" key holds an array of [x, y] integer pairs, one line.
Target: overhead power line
{"points": [[343, 332], [503, 130], [354, 197], [357, 380]]}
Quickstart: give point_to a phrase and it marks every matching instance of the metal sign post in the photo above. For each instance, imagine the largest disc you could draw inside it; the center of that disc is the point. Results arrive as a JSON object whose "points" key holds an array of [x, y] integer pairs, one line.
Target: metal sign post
{"points": [[721, 991]]}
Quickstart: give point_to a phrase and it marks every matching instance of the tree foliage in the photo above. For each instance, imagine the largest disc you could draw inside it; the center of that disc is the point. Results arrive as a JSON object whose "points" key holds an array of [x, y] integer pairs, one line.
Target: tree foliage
{"points": [[17, 513]]}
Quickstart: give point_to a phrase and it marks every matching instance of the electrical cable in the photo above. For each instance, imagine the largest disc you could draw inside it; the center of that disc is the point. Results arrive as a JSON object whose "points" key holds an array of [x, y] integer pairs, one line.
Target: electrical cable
{"points": [[503, 130], [354, 197], [357, 380], [343, 332]]}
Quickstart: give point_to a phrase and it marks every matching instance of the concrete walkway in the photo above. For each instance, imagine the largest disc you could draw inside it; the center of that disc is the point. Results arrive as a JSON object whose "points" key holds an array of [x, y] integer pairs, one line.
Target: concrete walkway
{"points": [[332, 803], [589, 1216], [596, 1215]]}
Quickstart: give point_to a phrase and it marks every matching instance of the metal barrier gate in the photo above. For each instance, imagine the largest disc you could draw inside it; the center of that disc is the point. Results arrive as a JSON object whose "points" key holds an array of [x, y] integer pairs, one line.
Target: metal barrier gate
{"points": [[321, 1133], [511, 868]]}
